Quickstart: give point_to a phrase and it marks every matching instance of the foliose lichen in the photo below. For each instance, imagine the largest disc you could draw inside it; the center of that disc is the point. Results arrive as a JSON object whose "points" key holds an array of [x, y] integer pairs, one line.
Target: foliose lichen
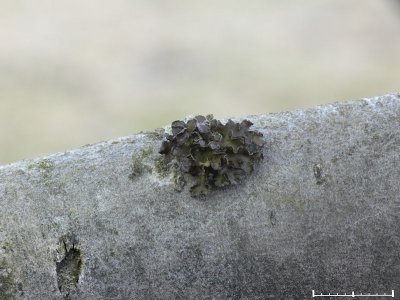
{"points": [[215, 154]]}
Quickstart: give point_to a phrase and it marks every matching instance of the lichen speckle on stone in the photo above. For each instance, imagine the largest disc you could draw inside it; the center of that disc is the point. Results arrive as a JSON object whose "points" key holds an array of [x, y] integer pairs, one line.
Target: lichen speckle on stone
{"points": [[215, 154]]}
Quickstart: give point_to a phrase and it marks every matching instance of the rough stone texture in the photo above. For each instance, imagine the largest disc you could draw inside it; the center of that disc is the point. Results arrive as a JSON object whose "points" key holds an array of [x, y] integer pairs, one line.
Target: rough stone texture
{"points": [[321, 213]]}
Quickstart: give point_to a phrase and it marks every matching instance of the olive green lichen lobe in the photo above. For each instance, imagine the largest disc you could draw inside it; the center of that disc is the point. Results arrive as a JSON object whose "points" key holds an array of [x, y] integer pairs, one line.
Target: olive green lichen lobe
{"points": [[216, 154]]}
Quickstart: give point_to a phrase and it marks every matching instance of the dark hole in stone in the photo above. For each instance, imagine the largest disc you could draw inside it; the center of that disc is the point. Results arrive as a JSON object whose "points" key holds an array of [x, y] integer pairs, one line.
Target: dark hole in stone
{"points": [[318, 174], [69, 270]]}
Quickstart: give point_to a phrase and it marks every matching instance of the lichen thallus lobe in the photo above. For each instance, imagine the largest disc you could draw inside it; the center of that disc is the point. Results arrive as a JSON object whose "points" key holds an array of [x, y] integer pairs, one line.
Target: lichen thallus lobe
{"points": [[215, 154]]}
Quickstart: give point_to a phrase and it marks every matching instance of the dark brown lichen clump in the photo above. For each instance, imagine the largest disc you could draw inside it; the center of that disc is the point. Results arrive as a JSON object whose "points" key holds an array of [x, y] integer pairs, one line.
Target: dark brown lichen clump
{"points": [[216, 154]]}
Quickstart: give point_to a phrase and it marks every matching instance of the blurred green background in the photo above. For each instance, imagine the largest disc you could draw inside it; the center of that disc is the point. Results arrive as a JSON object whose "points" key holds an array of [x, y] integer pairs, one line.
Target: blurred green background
{"points": [[76, 72]]}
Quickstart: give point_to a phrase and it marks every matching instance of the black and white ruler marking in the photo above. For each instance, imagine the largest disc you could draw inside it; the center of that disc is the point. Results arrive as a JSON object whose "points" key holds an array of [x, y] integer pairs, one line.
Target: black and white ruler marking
{"points": [[353, 295]]}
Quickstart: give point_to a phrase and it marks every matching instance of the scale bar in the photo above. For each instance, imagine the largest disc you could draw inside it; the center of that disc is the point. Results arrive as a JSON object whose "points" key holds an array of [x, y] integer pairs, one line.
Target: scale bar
{"points": [[352, 295]]}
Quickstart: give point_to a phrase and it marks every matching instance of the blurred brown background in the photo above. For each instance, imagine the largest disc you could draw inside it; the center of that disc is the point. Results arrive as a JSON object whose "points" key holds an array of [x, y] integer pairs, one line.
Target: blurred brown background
{"points": [[75, 72]]}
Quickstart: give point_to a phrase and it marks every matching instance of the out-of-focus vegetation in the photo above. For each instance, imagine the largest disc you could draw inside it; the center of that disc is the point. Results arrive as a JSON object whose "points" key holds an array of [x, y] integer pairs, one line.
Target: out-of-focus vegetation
{"points": [[75, 72]]}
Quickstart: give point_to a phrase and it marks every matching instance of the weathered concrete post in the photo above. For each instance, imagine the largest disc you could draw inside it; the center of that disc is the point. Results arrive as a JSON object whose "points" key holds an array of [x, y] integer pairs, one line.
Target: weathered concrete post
{"points": [[104, 221]]}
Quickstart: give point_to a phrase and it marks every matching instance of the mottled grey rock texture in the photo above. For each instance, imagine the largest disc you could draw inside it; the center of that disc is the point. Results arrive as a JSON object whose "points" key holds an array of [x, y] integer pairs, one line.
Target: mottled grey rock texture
{"points": [[322, 212]]}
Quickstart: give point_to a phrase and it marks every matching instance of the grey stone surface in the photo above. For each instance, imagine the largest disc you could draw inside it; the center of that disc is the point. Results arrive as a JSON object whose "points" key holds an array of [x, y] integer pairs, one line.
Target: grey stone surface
{"points": [[105, 221]]}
